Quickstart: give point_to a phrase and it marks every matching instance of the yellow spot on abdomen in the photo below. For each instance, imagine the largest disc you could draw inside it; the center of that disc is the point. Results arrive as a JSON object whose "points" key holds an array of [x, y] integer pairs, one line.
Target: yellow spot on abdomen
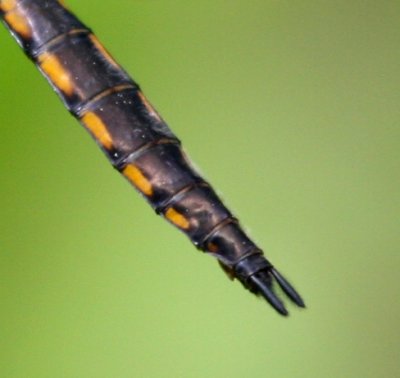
{"points": [[136, 177], [102, 50], [98, 129], [7, 5], [53, 68], [177, 218], [18, 23]]}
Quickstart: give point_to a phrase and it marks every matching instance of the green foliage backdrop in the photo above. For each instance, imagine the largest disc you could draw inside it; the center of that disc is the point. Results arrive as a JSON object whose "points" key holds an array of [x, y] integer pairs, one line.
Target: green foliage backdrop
{"points": [[291, 109]]}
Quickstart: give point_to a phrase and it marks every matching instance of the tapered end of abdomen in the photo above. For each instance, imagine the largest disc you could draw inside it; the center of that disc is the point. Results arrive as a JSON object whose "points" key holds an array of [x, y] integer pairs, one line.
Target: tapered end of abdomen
{"points": [[259, 276]]}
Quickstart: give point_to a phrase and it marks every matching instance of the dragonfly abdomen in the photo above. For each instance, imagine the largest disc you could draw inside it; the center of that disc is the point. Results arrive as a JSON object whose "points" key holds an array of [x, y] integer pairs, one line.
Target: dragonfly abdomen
{"points": [[135, 139]]}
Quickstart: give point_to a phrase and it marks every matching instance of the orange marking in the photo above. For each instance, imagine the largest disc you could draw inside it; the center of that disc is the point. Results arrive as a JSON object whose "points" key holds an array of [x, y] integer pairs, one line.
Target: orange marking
{"points": [[53, 68], [136, 177], [177, 218], [98, 129], [7, 5], [18, 23], [102, 50], [212, 247], [148, 106]]}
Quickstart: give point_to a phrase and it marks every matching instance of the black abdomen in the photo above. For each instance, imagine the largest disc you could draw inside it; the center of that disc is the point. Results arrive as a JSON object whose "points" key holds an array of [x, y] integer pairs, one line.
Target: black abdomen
{"points": [[138, 143]]}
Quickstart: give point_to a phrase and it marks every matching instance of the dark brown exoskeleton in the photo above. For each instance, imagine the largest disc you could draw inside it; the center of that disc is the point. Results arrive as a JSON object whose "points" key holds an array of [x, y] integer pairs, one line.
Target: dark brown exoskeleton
{"points": [[138, 143]]}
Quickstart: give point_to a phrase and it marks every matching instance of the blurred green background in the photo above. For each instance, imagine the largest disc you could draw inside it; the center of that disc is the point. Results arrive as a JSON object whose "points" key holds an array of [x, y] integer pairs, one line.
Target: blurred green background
{"points": [[291, 109]]}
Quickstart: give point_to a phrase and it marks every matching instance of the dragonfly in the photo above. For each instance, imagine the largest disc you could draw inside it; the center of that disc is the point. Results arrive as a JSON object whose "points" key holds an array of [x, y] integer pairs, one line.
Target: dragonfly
{"points": [[138, 143]]}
